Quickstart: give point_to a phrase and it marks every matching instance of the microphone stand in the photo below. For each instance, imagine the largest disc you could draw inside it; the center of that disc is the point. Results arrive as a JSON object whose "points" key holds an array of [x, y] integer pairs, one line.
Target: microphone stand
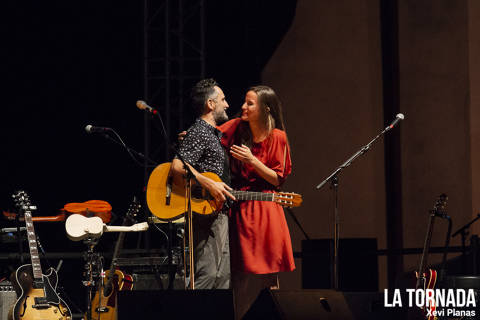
{"points": [[334, 181], [129, 150], [445, 251], [171, 269], [189, 221], [463, 231]]}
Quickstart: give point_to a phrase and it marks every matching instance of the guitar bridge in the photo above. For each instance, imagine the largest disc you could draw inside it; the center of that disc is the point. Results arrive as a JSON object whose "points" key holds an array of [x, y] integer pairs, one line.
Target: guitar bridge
{"points": [[101, 309], [41, 303], [169, 191]]}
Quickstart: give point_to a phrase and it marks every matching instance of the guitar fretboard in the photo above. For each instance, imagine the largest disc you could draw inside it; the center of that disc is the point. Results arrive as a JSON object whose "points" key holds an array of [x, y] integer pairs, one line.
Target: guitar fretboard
{"points": [[32, 244], [253, 195]]}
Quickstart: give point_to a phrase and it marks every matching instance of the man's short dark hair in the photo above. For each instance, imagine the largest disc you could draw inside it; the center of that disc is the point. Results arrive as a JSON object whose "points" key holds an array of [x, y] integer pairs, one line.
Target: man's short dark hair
{"points": [[201, 92]]}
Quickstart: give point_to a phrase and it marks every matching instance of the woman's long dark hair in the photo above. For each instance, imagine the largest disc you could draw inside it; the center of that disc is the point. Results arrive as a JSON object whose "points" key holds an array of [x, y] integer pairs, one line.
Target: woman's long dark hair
{"points": [[270, 113]]}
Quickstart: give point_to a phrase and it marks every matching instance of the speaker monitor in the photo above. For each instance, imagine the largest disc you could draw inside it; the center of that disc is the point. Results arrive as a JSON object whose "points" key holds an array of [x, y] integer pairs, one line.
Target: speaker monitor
{"points": [[357, 265], [175, 304], [149, 281], [322, 305]]}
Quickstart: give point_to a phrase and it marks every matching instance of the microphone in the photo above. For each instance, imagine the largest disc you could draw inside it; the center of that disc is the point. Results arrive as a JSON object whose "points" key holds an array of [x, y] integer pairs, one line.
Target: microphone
{"points": [[398, 117], [59, 265], [142, 105], [91, 129]]}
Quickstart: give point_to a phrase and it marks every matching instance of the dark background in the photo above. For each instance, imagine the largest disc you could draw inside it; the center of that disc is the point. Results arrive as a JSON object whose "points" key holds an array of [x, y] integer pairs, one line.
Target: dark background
{"points": [[68, 64], [73, 64]]}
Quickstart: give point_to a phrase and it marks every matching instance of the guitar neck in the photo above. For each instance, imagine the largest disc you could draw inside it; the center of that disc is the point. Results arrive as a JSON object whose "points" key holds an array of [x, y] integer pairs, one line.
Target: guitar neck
{"points": [[118, 245], [253, 195], [32, 244], [116, 251], [426, 247]]}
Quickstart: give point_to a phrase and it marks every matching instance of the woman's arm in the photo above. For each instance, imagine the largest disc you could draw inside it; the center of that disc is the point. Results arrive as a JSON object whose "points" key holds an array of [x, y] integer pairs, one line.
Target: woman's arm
{"points": [[244, 154]]}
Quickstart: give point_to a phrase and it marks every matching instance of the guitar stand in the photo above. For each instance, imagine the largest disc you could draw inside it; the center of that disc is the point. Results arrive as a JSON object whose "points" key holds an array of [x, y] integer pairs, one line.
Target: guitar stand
{"points": [[93, 270], [190, 230], [57, 269], [464, 231], [171, 267]]}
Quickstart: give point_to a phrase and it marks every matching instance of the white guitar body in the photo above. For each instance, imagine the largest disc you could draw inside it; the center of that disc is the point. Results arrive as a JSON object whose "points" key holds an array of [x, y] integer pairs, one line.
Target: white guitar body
{"points": [[79, 227]]}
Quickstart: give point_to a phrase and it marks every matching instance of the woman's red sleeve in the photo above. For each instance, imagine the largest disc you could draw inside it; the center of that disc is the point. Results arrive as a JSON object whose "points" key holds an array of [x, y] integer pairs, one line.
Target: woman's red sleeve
{"points": [[279, 155], [228, 130]]}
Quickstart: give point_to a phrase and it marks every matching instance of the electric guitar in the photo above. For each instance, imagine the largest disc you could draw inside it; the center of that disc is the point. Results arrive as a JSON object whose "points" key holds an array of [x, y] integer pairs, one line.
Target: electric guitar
{"points": [[104, 303], [425, 281], [36, 292], [166, 200]]}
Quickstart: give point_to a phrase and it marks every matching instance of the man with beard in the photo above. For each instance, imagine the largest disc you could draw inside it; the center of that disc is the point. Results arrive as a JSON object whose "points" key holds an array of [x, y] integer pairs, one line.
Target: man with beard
{"points": [[202, 150]]}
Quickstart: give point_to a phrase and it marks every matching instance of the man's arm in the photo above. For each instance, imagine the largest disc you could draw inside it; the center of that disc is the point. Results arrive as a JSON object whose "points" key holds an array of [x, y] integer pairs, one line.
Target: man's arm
{"points": [[218, 190]]}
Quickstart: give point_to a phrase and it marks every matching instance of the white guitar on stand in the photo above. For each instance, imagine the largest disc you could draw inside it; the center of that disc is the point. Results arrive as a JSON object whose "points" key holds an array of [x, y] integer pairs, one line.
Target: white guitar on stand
{"points": [[79, 227]]}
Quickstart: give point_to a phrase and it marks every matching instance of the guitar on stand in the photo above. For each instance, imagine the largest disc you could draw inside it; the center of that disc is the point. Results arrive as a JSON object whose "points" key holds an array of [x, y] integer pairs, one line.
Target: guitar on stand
{"points": [[104, 303], [37, 294], [425, 281]]}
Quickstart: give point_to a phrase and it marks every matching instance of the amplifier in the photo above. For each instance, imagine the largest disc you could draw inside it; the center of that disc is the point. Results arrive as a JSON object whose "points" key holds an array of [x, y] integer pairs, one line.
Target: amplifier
{"points": [[7, 298], [146, 281]]}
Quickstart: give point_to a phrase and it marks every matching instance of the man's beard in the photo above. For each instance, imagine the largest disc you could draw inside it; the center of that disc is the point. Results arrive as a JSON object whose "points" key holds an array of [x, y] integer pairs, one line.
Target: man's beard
{"points": [[220, 117]]}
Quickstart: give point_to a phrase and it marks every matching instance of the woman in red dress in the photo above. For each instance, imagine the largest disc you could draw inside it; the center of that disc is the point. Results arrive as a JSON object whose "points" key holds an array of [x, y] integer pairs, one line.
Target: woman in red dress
{"points": [[260, 161]]}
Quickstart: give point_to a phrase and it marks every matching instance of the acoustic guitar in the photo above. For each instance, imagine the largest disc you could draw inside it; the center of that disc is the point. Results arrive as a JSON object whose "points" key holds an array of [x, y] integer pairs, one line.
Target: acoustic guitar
{"points": [[37, 295], [13, 216], [79, 227], [424, 280], [166, 200], [104, 303]]}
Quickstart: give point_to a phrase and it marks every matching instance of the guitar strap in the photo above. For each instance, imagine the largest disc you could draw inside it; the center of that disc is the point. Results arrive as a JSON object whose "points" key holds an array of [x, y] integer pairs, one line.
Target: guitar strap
{"points": [[226, 168], [227, 178]]}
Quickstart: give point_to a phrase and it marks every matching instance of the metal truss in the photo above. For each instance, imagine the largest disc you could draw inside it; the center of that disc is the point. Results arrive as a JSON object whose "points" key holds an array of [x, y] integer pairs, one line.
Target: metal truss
{"points": [[174, 59]]}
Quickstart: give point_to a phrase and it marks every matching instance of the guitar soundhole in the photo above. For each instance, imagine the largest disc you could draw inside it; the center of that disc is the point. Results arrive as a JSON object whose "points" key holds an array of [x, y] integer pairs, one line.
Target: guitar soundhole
{"points": [[198, 193]]}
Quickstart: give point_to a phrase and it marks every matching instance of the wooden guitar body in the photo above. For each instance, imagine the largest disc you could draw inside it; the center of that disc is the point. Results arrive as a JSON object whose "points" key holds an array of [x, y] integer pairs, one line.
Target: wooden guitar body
{"points": [[158, 189], [37, 300], [91, 208], [36, 292], [104, 304]]}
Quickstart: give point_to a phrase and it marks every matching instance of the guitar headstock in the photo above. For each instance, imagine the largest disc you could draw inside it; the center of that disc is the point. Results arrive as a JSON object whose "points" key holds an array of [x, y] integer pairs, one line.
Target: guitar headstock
{"points": [[133, 210], [22, 200], [440, 206], [288, 199]]}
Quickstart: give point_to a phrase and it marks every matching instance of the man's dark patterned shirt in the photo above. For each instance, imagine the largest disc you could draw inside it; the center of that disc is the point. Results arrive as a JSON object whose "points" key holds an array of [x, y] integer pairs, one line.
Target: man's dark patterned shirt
{"points": [[202, 149]]}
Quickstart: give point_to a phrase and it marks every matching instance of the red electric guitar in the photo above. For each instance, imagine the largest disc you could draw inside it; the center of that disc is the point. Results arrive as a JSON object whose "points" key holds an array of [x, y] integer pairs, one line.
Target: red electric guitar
{"points": [[424, 280]]}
